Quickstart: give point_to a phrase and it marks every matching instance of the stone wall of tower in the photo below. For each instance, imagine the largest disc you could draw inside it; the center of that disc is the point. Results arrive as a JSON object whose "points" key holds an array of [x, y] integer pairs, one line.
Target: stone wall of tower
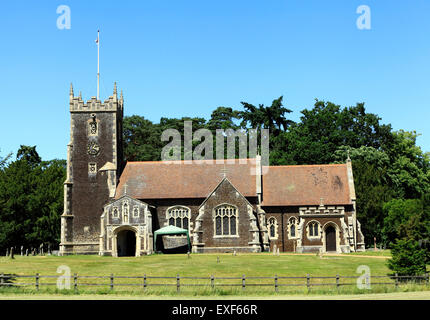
{"points": [[95, 140]]}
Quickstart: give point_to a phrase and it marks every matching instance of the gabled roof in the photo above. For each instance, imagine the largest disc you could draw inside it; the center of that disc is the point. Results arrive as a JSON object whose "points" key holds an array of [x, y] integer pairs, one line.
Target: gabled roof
{"points": [[179, 179], [124, 196], [218, 186], [305, 185]]}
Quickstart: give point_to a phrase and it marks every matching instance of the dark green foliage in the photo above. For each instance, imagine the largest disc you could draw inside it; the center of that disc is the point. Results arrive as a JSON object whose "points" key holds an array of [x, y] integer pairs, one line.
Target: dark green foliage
{"points": [[31, 200], [408, 258], [405, 219], [326, 127], [372, 192], [4, 160], [141, 139]]}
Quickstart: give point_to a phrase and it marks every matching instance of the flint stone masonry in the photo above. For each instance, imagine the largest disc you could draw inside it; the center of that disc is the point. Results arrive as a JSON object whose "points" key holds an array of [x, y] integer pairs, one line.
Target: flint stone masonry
{"points": [[108, 204]]}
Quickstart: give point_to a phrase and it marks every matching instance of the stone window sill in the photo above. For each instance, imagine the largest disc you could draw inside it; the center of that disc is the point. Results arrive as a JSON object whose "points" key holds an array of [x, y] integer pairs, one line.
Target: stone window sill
{"points": [[227, 236]]}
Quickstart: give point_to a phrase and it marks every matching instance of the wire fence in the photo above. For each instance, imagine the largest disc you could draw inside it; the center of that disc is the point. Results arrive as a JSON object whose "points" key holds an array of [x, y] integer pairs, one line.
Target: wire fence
{"points": [[273, 283]]}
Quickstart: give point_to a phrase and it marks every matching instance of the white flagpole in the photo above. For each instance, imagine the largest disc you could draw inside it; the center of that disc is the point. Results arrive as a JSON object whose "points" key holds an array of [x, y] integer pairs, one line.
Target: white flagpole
{"points": [[98, 64]]}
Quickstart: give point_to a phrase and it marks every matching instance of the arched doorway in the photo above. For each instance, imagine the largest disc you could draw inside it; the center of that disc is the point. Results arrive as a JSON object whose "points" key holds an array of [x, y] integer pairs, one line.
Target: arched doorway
{"points": [[330, 239], [126, 243]]}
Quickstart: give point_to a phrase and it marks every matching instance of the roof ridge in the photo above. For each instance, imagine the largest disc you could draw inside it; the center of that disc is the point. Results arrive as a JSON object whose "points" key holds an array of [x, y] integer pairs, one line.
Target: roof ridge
{"points": [[309, 165], [203, 160]]}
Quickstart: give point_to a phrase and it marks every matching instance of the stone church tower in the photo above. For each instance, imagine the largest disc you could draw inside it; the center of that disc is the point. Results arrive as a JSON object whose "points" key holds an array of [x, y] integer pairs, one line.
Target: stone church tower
{"points": [[94, 164]]}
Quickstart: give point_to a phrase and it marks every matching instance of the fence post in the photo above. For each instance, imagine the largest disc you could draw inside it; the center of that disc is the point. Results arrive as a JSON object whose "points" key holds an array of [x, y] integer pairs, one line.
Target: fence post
{"points": [[397, 280], [308, 282], [243, 282], [111, 281], [212, 282], [1, 279], [276, 283], [427, 279], [37, 281], [144, 281], [178, 283], [337, 282], [75, 282]]}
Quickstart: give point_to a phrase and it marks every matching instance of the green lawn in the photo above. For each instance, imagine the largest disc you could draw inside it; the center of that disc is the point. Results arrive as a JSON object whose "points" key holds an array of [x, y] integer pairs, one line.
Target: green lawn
{"points": [[197, 265], [381, 253], [202, 265]]}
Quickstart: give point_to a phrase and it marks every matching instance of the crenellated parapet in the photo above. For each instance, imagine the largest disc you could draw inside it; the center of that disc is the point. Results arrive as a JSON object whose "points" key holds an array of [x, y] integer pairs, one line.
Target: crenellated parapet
{"points": [[112, 104], [322, 211]]}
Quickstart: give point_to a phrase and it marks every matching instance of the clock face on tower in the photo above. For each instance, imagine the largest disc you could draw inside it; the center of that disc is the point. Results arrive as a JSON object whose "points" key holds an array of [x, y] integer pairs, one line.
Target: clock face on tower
{"points": [[93, 148]]}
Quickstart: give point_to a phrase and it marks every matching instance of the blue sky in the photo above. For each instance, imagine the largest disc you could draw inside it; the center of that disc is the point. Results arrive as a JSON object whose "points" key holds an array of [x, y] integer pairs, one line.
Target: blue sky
{"points": [[178, 58]]}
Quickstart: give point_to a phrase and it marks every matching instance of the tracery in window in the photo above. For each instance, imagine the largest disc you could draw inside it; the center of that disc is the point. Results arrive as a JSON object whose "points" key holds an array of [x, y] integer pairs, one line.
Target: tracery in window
{"points": [[273, 228], [292, 225], [179, 216], [225, 220], [313, 228]]}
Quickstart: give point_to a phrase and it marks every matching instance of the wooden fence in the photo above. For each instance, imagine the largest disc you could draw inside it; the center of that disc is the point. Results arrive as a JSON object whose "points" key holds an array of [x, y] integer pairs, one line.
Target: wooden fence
{"points": [[144, 282]]}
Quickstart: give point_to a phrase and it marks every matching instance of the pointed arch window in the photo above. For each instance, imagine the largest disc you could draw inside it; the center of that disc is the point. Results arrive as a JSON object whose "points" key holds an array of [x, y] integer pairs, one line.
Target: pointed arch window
{"points": [[313, 230], [292, 227], [179, 217], [225, 220], [272, 225], [125, 211]]}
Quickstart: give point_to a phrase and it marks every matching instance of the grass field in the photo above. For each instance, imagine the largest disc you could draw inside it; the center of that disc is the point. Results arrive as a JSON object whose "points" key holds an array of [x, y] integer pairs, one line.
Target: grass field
{"points": [[205, 265], [264, 264]]}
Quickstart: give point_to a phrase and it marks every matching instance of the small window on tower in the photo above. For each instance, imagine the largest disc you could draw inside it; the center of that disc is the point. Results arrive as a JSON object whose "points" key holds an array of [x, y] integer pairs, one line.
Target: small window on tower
{"points": [[92, 168], [93, 126]]}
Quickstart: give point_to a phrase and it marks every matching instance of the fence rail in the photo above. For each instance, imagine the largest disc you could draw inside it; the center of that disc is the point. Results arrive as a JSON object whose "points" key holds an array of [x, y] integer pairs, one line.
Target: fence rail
{"points": [[145, 281]]}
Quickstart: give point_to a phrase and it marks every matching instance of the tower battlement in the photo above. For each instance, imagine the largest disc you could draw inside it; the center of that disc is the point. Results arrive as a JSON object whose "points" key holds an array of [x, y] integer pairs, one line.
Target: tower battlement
{"points": [[112, 104]]}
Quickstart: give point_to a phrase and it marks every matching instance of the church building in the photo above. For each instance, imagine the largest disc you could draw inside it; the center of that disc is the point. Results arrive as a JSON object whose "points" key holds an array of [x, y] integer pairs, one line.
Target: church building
{"points": [[114, 208]]}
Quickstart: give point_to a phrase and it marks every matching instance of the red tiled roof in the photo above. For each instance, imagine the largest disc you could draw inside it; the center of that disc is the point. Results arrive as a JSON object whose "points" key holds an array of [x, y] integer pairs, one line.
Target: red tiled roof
{"points": [[281, 185], [161, 180], [305, 185]]}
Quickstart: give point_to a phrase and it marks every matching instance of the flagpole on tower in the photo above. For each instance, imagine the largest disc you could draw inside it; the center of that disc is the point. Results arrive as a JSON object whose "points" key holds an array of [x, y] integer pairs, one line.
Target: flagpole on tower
{"points": [[98, 64]]}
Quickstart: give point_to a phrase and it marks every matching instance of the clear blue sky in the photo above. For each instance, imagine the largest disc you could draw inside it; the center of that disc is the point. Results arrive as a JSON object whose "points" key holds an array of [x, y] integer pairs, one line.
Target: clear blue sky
{"points": [[177, 58]]}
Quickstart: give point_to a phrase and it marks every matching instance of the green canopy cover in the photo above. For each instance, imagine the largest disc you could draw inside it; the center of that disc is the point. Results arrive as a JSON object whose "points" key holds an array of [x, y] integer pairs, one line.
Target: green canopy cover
{"points": [[171, 230]]}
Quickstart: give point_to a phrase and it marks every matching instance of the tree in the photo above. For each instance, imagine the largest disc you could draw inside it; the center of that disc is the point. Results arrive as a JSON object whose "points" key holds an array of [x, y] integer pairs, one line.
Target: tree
{"points": [[326, 127], [29, 155], [141, 139], [273, 118], [31, 200], [3, 161], [409, 166], [402, 219], [223, 118], [408, 258]]}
